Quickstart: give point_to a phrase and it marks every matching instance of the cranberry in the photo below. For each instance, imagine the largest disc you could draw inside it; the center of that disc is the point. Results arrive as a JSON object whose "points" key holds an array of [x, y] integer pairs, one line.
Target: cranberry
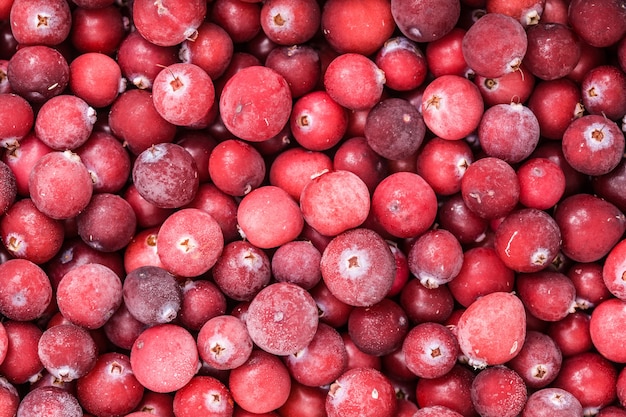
{"points": [[361, 391], [300, 66], [481, 336], [603, 91], [403, 63], [44, 23], [426, 21], [168, 24], [370, 24], [552, 402], [605, 331], [586, 19], [38, 72], [211, 50], [528, 12], [553, 50], [100, 29], [26, 291], [498, 391], [367, 324], [55, 401], [495, 45], [452, 107], [344, 68], [259, 113]]}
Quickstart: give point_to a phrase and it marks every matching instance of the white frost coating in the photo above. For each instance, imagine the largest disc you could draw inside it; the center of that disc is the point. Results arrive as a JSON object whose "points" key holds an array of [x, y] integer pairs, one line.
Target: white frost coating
{"points": [[354, 263], [278, 316], [375, 394], [598, 136], [187, 244], [540, 257], [152, 154], [18, 299], [16, 245], [167, 313], [64, 373], [513, 348]]}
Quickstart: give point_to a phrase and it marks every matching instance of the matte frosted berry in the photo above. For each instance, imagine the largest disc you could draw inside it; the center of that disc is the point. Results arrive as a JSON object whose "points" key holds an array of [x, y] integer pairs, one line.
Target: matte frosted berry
{"points": [[607, 329], [224, 342], [498, 392], [495, 45], [269, 217], [365, 392], [282, 318], [25, 291], [483, 338], [256, 103], [168, 23], [426, 21], [340, 81], [358, 267], [189, 242], [67, 351], [173, 348]]}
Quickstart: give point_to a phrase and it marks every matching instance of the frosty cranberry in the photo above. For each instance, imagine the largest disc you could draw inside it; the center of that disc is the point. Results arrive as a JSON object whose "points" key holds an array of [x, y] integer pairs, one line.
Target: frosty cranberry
{"points": [[542, 183], [242, 270], [553, 402], [297, 262], [108, 223], [451, 390], [236, 167], [122, 329], [483, 339], [605, 329], [21, 361], [36, 240], [10, 398], [107, 161], [134, 120], [498, 391], [174, 348], [436, 410], [282, 318], [183, 94], [452, 107], [168, 24], [512, 87], [571, 334], [394, 128], [240, 30], [430, 349], [203, 394], [334, 202], [60, 185], [269, 217], [590, 227], [253, 397], [322, 361], [89, 294], [442, 164], [111, 376], [603, 92], [299, 64], [591, 378], [211, 50], [426, 304], [435, 258], [358, 267], [44, 23], [593, 145], [539, 361], [255, 103], [224, 343], [482, 272], [549, 296], [509, 132], [490, 188], [38, 73], [378, 329], [290, 23], [17, 123], [98, 30], [553, 50], [426, 21], [339, 81], [25, 291], [317, 122], [190, 241], [527, 240], [355, 155], [166, 175], [96, 78], [202, 300], [152, 295], [587, 19], [403, 63], [528, 12], [78, 117], [361, 391], [400, 212], [55, 401], [67, 351], [555, 103], [495, 45]]}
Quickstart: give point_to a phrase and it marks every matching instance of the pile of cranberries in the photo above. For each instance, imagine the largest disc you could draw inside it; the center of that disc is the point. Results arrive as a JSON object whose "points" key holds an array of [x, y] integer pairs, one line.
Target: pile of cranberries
{"points": [[312, 208]]}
